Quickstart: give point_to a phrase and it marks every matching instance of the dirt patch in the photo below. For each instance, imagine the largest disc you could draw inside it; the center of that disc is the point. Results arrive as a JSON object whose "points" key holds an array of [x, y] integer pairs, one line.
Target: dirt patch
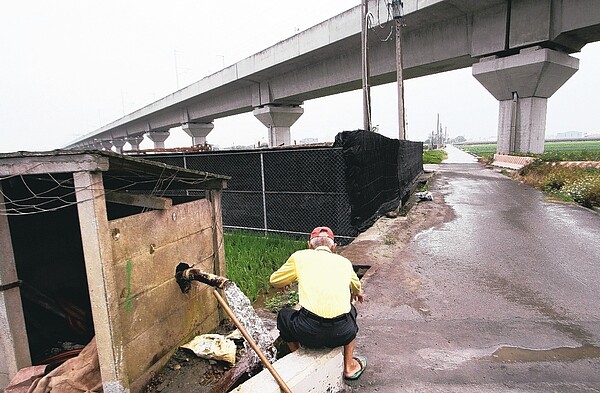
{"points": [[187, 373], [381, 247]]}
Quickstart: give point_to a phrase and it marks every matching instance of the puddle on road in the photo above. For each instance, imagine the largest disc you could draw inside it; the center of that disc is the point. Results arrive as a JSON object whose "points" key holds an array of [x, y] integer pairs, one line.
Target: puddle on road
{"points": [[561, 354]]}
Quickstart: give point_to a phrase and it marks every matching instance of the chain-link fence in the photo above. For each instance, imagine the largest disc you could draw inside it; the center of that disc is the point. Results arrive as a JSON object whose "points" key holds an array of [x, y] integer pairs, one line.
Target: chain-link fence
{"points": [[293, 190], [287, 191]]}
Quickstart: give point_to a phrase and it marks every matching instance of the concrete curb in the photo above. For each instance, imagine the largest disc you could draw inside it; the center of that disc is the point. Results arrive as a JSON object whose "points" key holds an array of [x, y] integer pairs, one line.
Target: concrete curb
{"points": [[304, 371], [511, 162]]}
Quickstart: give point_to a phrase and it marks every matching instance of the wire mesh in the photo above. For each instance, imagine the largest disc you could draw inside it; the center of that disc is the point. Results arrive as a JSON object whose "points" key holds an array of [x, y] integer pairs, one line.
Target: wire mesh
{"points": [[293, 190], [288, 191]]}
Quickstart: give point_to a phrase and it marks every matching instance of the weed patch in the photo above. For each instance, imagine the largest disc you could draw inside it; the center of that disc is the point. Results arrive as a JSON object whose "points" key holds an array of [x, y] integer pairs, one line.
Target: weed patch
{"points": [[280, 300], [252, 258], [581, 185], [434, 156]]}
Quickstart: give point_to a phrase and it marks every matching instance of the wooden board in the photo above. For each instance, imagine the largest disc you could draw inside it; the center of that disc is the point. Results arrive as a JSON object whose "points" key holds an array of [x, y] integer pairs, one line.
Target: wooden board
{"points": [[137, 233], [147, 270], [156, 344], [155, 316]]}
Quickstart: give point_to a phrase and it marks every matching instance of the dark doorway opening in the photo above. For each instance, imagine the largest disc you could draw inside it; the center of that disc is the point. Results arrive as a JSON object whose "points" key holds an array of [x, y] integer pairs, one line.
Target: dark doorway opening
{"points": [[48, 253]]}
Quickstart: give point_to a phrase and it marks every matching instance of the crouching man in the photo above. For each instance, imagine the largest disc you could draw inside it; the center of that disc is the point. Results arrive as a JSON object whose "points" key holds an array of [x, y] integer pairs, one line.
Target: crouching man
{"points": [[327, 288]]}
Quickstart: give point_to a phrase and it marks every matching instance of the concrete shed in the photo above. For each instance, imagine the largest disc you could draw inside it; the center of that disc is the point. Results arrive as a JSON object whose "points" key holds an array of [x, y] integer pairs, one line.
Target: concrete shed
{"points": [[89, 246]]}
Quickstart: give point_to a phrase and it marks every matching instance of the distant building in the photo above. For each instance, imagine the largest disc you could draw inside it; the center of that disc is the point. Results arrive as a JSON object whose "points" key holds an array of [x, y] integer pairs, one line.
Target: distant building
{"points": [[308, 141], [570, 134]]}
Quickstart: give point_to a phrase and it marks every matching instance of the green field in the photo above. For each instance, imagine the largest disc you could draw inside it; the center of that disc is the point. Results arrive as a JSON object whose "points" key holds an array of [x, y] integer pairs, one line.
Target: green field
{"points": [[553, 151]]}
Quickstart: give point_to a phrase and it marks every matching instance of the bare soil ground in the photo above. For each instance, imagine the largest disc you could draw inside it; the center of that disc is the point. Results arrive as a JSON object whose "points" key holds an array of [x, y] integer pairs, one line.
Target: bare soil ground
{"points": [[186, 373]]}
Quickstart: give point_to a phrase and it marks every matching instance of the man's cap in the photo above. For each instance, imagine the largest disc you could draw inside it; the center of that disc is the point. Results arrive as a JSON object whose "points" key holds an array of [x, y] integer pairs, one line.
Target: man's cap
{"points": [[319, 230]]}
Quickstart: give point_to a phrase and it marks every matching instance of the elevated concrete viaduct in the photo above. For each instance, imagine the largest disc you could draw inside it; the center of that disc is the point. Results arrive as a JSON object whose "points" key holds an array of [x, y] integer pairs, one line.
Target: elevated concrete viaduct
{"points": [[519, 50]]}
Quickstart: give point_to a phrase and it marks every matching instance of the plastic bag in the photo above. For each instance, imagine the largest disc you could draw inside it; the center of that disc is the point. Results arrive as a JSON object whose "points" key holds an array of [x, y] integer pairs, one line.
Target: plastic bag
{"points": [[424, 196], [213, 346]]}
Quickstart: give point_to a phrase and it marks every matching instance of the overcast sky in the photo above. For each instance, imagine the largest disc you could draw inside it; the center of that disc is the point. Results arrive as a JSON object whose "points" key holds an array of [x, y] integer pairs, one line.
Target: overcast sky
{"points": [[69, 67]]}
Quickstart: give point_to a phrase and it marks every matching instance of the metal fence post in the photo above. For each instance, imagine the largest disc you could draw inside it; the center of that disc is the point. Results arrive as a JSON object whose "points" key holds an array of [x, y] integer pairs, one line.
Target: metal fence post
{"points": [[264, 198]]}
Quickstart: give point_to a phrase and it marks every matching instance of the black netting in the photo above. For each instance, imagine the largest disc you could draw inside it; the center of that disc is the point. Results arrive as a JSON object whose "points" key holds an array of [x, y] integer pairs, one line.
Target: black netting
{"points": [[410, 165], [379, 172], [175, 160], [296, 189], [243, 209], [313, 171], [243, 167]]}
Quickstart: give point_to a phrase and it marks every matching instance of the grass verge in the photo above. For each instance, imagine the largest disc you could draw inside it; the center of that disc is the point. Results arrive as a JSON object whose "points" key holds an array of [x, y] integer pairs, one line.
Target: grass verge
{"points": [[251, 258], [581, 185], [434, 156]]}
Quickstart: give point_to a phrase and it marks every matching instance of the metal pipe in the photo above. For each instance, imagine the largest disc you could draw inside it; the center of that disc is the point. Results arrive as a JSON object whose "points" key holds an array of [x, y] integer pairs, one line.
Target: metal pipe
{"points": [[184, 274], [250, 340]]}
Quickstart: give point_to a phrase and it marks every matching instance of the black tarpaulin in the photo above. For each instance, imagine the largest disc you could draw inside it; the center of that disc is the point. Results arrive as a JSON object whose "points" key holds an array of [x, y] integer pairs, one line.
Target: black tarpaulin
{"points": [[379, 172]]}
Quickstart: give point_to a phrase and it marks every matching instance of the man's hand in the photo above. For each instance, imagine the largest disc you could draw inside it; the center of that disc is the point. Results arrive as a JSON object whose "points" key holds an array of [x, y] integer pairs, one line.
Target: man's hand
{"points": [[360, 297]]}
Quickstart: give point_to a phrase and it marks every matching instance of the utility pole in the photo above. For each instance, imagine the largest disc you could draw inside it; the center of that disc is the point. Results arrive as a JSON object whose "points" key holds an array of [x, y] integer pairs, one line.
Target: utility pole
{"points": [[365, 66], [397, 13], [437, 132]]}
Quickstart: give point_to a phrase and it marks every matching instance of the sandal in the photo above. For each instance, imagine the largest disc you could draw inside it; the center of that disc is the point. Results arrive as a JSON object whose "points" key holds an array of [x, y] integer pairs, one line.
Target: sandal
{"points": [[363, 364]]}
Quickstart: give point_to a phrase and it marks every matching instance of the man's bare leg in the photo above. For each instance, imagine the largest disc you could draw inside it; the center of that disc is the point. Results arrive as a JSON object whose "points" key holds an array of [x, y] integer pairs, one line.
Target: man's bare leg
{"points": [[293, 346], [351, 366]]}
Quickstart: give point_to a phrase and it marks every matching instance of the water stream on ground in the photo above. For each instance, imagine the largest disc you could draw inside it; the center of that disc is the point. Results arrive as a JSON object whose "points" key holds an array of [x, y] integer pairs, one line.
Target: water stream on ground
{"points": [[242, 308]]}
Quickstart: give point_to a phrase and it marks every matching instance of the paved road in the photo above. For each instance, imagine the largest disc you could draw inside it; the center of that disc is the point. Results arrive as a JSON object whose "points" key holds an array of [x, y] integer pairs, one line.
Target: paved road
{"points": [[501, 297]]}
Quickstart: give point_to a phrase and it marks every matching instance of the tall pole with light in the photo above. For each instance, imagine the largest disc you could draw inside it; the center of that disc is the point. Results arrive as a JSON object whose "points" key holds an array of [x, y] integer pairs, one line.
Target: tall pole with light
{"points": [[396, 7]]}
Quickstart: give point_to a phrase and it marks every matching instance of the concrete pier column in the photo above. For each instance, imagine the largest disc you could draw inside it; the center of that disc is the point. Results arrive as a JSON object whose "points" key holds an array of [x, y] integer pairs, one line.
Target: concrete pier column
{"points": [[106, 144], [278, 119], [523, 83], [98, 144], [134, 141], [118, 143], [158, 137], [198, 132]]}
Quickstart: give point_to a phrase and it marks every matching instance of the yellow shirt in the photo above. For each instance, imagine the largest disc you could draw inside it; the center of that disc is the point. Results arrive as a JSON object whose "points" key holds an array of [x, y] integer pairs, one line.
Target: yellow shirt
{"points": [[325, 280]]}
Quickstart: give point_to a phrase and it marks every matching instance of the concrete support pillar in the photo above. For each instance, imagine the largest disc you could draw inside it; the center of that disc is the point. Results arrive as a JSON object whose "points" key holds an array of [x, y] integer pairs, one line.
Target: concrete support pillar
{"points": [[158, 137], [523, 83], [198, 132], [278, 119], [134, 141], [119, 143], [106, 145]]}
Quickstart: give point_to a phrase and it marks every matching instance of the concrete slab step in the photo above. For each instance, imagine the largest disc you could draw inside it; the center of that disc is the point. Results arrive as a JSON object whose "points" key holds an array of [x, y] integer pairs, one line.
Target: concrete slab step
{"points": [[304, 371]]}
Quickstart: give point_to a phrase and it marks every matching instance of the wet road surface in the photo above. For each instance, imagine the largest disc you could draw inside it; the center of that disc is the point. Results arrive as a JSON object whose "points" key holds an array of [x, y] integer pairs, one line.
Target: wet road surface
{"points": [[501, 297]]}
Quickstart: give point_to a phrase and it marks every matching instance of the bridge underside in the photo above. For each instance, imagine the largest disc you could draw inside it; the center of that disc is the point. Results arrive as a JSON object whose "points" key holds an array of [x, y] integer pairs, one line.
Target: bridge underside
{"points": [[326, 59]]}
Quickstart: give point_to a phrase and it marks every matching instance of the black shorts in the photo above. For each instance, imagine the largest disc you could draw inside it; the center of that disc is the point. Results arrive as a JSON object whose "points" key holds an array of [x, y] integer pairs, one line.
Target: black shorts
{"points": [[312, 331]]}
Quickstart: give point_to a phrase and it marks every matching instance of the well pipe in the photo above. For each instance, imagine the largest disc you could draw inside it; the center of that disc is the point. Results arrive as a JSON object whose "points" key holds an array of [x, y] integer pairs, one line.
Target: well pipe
{"points": [[184, 274], [250, 340]]}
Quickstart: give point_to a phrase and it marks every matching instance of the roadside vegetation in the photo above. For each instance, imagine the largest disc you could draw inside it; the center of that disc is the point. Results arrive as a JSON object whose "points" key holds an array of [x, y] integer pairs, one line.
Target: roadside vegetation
{"points": [[485, 151], [252, 257], [434, 156], [574, 184], [568, 184]]}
